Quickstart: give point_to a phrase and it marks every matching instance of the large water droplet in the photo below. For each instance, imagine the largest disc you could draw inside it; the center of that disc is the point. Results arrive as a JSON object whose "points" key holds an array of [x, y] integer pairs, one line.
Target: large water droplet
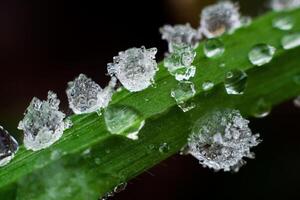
{"points": [[213, 48], [123, 120], [261, 54], [8, 147], [182, 93], [207, 85], [221, 139], [284, 23], [235, 82], [291, 41], [261, 108]]}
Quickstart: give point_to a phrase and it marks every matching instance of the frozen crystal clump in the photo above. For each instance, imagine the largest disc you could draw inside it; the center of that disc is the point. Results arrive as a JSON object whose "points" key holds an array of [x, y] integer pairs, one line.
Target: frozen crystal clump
{"points": [[86, 96], [43, 123], [179, 62], [220, 18], [279, 5], [8, 147], [221, 140], [135, 68], [180, 34]]}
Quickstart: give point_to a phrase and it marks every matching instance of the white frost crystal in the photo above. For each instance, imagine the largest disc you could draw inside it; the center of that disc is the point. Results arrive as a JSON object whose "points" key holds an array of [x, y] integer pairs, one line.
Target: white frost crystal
{"points": [[180, 34], [86, 96], [43, 123], [135, 68], [220, 18], [179, 62], [221, 140], [280, 5], [8, 147]]}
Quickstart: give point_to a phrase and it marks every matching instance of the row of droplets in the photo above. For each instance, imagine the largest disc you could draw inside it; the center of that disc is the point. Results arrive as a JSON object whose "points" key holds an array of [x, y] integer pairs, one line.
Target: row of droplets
{"points": [[135, 69]]}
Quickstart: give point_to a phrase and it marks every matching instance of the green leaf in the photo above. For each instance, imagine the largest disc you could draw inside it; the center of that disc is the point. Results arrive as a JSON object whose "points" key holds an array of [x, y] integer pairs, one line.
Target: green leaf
{"points": [[88, 162]]}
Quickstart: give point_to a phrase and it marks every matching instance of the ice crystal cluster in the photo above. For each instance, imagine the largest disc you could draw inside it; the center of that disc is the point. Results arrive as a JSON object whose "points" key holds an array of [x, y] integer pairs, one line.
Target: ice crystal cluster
{"points": [[179, 62], [86, 96], [8, 147], [180, 35], [221, 140], [220, 18], [280, 5], [43, 123], [135, 68]]}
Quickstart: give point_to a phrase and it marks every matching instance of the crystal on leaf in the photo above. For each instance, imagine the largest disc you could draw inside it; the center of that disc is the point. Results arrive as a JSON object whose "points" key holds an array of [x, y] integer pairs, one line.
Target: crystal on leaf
{"points": [[86, 96], [220, 18], [221, 140], [180, 34], [279, 5], [43, 123], [135, 68], [8, 147]]}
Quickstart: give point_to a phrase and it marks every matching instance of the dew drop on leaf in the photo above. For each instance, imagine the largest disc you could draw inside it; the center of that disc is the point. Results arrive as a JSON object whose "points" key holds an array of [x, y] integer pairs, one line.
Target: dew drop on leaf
{"points": [[261, 108], [213, 48], [8, 147], [261, 54], [283, 23], [297, 102], [164, 148], [182, 93], [207, 85], [235, 82], [291, 41]]}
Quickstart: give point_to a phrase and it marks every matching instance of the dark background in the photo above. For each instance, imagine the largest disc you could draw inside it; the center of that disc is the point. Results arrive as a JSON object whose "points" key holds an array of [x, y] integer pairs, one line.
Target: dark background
{"points": [[44, 44]]}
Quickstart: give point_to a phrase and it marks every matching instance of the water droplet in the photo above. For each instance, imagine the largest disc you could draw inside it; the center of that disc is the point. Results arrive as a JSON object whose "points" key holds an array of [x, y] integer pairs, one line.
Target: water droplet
{"points": [[56, 154], [123, 120], [86, 96], [262, 108], [235, 82], [97, 161], [207, 85], [283, 23], [8, 147], [43, 123], [279, 5], [213, 48], [291, 41], [179, 62], [180, 35], [135, 68], [119, 188], [164, 148], [182, 93], [220, 18], [261, 54], [297, 102], [222, 65], [221, 139], [246, 21]]}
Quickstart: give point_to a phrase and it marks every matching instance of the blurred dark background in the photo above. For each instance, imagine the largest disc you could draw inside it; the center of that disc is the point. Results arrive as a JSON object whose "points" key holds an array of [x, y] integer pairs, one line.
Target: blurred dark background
{"points": [[44, 44]]}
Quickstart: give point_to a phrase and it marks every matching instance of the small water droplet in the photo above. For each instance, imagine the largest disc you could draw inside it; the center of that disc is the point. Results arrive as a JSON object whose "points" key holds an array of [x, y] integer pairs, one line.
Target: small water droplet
{"points": [[284, 23], [123, 120], [119, 188], [222, 65], [297, 102], [97, 161], [235, 82], [55, 154], [213, 48], [261, 54], [164, 148], [291, 41], [207, 85], [182, 93], [8, 147], [262, 108]]}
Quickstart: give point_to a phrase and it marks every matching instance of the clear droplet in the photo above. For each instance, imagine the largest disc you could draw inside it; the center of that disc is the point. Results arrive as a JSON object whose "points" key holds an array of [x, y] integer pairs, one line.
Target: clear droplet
{"points": [[235, 82], [213, 48], [222, 65], [246, 21], [261, 54], [220, 18], [179, 62], [86, 96], [279, 5], [180, 35], [261, 108], [8, 147], [135, 68], [119, 188], [291, 41], [182, 93], [97, 161], [43, 123], [284, 23], [207, 85], [221, 139], [123, 120], [297, 102], [164, 148]]}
